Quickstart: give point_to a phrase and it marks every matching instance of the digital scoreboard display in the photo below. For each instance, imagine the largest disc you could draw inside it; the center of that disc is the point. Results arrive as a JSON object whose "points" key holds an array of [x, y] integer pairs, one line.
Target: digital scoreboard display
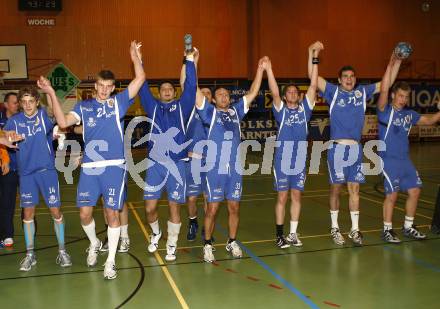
{"points": [[40, 5]]}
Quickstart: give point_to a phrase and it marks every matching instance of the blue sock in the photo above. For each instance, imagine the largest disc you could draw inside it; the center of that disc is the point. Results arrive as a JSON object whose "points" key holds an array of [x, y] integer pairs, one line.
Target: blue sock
{"points": [[59, 231], [29, 234]]}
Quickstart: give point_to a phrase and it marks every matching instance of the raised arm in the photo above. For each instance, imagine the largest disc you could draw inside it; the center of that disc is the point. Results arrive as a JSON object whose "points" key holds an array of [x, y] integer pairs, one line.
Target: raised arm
{"points": [[314, 50], [136, 58], [387, 80], [183, 70], [321, 82], [273, 86], [255, 87], [429, 120], [63, 120]]}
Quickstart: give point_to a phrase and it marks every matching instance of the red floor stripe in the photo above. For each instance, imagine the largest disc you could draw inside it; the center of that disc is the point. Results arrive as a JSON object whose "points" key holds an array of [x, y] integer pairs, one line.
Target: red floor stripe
{"points": [[275, 286], [231, 270], [331, 304], [215, 264], [253, 278]]}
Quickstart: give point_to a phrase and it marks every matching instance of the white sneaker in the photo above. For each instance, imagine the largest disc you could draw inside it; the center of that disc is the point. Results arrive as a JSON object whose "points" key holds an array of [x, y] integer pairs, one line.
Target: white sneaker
{"points": [[124, 245], [235, 249], [63, 259], [294, 240], [110, 270], [8, 242], [171, 253], [92, 257], [154, 242], [208, 256], [27, 262], [337, 236]]}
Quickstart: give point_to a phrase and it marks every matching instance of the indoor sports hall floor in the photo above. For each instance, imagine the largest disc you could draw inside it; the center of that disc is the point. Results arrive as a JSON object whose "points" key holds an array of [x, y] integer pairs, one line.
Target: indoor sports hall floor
{"points": [[318, 275]]}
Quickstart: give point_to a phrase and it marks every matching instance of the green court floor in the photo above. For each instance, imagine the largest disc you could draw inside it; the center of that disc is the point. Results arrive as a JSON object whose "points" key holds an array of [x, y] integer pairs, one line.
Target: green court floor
{"points": [[318, 275]]}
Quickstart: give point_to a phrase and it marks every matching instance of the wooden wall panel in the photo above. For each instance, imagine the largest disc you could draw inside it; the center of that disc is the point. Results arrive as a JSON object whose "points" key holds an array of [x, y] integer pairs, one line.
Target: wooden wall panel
{"points": [[91, 35], [231, 34]]}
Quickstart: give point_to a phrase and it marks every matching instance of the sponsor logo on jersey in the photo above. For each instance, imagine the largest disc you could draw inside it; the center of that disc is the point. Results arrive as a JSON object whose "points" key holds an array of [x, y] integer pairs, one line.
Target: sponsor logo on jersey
{"points": [[173, 108], [111, 201], [357, 94], [84, 194], [52, 199], [91, 122], [341, 103], [231, 112], [111, 102]]}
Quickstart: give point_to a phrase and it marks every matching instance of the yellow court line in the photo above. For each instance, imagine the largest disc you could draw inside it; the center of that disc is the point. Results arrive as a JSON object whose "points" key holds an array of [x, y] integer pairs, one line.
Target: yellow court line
{"points": [[302, 237], [160, 261], [401, 209]]}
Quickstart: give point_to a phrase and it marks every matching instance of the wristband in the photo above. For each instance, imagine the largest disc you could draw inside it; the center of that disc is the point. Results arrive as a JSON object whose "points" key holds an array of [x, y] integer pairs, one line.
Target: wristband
{"points": [[315, 60]]}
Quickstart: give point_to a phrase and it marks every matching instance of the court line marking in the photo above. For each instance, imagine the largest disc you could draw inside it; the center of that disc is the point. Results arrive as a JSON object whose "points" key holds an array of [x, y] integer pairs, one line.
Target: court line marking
{"points": [[415, 260], [273, 240], [160, 261]]}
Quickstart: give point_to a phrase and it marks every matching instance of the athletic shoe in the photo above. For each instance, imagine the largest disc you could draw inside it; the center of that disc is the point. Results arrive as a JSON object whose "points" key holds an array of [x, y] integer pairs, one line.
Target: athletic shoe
{"points": [[124, 245], [63, 259], [208, 256], [193, 227], [27, 262], [337, 236], [293, 239], [281, 242], [104, 247], [390, 236], [171, 253], [110, 270], [435, 229], [8, 242], [413, 232], [154, 242], [235, 249], [92, 257], [356, 237]]}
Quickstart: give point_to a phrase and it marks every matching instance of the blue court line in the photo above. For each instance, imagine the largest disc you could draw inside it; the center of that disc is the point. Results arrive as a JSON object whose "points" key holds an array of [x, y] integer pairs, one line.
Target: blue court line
{"points": [[419, 262], [271, 271]]}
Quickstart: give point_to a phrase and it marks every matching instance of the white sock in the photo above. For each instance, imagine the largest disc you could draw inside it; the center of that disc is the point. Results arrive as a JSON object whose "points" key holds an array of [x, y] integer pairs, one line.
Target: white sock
{"points": [[173, 233], [91, 232], [387, 226], [124, 231], [155, 227], [113, 234], [334, 217], [409, 221], [293, 226], [354, 220]]}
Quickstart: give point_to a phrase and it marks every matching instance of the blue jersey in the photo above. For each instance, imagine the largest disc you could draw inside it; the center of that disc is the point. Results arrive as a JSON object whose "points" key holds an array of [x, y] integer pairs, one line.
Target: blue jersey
{"points": [[174, 114], [347, 110], [195, 130], [394, 128], [223, 126], [12, 152], [292, 122], [35, 152], [103, 129]]}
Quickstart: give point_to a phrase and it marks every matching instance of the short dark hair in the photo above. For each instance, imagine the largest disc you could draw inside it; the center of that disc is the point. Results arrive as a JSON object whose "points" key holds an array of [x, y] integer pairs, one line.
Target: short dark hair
{"points": [[106, 75], [218, 88], [167, 82], [30, 91], [401, 85], [283, 92], [346, 68], [8, 95], [206, 87]]}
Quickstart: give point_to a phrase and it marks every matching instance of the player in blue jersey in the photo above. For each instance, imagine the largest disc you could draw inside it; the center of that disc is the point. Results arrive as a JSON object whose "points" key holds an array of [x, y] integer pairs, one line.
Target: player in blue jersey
{"points": [[347, 104], [395, 122], [103, 170], [292, 116], [195, 132], [8, 177], [37, 174], [166, 153], [224, 180]]}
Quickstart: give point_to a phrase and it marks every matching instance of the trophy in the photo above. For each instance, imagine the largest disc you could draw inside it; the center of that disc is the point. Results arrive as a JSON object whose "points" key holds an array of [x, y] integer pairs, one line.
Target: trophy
{"points": [[187, 39], [403, 50]]}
